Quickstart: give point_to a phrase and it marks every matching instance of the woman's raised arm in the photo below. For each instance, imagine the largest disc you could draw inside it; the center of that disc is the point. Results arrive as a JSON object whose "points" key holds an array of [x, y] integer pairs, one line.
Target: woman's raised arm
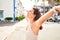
{"points": [[47, 15], [38, 23]]}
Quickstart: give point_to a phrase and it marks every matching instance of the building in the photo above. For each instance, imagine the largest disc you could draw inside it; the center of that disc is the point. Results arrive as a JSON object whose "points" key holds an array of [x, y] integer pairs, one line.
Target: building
{"points": [[7, 8]]}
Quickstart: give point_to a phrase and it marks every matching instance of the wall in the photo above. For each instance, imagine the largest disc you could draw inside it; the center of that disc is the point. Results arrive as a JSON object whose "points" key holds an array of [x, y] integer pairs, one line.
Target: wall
{"points": [[7, 6]]}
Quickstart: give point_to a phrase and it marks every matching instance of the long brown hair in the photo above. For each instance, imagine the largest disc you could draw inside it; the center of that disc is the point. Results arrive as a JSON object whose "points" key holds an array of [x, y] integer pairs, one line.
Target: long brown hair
{"points": [[38, 15]]}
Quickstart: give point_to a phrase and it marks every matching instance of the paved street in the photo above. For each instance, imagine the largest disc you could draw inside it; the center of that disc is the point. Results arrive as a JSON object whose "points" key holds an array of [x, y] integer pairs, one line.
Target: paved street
{"points": [[3, 23], [51, 31]]}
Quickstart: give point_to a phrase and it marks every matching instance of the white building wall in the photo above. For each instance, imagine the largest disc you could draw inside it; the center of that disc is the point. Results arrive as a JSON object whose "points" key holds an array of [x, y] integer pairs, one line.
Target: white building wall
{"points": [[7, 6]]}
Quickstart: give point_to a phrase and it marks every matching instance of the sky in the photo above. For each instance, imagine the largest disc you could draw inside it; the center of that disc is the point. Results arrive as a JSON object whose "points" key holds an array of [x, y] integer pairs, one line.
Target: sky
{"points": [[27, 4]]}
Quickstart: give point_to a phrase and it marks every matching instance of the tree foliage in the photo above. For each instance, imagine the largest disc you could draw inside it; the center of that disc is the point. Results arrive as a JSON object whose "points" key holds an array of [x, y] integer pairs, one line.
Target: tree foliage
{"points": [[37, 0], [57, 0]]}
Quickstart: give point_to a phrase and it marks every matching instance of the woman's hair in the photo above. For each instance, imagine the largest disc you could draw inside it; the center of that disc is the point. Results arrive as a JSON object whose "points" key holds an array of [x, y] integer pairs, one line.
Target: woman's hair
{"points": [[38, 15]]}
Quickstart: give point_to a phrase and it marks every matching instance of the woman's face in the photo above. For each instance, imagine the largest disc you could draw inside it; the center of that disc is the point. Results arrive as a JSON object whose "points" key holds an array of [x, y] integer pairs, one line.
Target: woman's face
{"points": [[30, 14]]}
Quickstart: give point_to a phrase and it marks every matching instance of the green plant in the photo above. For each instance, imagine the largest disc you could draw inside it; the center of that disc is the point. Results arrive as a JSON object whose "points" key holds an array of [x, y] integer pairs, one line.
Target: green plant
{"points": [[8, 18], [19, 18], [37, 0], [57, 0]]}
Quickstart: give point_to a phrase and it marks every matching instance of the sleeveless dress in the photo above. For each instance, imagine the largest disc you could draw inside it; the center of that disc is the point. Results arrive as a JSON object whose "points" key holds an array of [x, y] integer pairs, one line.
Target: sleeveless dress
{"points": [[21, 34], [30, 35]]}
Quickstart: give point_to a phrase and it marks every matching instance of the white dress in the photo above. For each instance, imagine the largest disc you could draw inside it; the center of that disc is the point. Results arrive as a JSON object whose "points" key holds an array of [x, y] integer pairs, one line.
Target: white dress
{"points": [[30, 35], [21, 34]]}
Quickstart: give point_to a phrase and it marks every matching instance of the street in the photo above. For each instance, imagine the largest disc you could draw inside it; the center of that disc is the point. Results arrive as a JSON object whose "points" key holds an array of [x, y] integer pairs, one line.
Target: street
{"points": [[50, 31]]}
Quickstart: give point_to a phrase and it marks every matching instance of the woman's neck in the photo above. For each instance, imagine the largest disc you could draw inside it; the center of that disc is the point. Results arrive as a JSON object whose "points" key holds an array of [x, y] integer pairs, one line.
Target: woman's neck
{"points": [[30, 20]]}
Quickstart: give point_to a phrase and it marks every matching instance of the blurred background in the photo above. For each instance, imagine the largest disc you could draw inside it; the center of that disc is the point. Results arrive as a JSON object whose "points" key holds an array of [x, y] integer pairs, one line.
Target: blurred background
{"points": [[12, 12]]}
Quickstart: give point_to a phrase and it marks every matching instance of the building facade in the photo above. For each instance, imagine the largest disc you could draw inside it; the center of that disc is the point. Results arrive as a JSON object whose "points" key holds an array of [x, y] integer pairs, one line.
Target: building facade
{"points": [[7, 8]]}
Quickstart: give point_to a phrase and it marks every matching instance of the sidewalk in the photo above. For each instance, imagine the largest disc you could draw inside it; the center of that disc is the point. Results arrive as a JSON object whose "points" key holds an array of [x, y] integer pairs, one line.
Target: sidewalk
{"points": [[51, 31], [3, 23]]}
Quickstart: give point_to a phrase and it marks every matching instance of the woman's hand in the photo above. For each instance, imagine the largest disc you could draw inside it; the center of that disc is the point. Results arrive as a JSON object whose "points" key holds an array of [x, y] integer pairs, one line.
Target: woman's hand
{"points": [[57, 8]]}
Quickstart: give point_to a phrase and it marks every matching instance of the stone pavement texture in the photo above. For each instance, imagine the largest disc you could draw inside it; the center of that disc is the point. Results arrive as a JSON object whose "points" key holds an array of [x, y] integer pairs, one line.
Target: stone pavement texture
{"points": [[50, 31]]}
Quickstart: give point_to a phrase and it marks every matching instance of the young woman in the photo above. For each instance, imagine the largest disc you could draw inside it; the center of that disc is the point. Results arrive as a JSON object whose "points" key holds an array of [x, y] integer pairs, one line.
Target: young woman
{"points": [[35, 21]]}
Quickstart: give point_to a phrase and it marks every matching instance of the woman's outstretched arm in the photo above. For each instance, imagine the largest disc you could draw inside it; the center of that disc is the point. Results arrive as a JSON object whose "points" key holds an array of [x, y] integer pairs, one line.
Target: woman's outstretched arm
{"points": [[36, 25], [48, 15]]}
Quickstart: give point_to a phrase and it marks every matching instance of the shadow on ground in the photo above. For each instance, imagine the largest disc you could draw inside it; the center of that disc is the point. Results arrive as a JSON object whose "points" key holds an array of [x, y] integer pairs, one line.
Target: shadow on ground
{"points": [[2, 23]]}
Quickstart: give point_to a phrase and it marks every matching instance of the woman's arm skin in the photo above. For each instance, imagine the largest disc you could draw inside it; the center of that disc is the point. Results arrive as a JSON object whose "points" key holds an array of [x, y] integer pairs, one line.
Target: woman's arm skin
{"points": [[47, 15], [36, 25]]}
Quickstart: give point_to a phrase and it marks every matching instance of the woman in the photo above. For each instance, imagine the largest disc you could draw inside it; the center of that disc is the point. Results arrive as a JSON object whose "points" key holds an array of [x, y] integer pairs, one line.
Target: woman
{"points": [[35, 21]]}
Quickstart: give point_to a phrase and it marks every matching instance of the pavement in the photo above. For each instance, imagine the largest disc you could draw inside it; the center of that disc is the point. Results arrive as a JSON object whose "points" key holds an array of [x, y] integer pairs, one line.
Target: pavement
{"points": [[4, 23], [50, 31]]}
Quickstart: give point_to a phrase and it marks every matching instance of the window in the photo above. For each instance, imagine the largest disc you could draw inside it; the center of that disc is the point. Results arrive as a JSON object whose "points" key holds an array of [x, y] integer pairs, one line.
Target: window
{"points": [[1, 13]]}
